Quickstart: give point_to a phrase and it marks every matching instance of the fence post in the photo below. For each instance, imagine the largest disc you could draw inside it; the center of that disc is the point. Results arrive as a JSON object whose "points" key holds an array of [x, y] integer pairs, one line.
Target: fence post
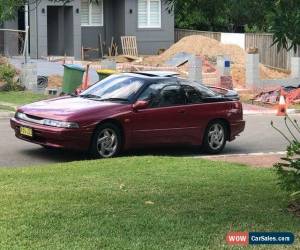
{"points": [[295, 67], [195, 69], [252, 70]]}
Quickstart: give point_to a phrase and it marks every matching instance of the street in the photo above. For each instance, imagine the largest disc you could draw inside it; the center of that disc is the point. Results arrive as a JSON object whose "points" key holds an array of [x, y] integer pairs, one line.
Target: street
{"points": [[258, 137]]}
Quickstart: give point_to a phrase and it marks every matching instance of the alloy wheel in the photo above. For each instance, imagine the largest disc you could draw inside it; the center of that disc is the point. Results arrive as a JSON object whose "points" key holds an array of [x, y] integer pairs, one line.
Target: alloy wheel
{"points": [[216, 136], [107, 143]]}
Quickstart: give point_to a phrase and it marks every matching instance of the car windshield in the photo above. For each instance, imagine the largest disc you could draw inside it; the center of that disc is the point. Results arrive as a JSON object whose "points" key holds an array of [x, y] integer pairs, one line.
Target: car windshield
{"points": [[114, 88]]}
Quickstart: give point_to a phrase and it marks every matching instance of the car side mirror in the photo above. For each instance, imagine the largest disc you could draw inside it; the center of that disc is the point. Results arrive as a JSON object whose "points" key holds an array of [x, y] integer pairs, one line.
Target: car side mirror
{"points": [[140, 105]]}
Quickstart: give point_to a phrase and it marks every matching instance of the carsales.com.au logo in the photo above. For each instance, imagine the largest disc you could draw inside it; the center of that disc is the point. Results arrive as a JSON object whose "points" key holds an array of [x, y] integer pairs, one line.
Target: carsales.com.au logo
{"points": [[259, 238]]}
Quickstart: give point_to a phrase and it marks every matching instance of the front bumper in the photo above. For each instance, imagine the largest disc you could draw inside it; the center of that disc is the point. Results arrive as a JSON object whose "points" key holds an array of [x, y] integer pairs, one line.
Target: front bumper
{"points": [[236, 128], [78, 139]]}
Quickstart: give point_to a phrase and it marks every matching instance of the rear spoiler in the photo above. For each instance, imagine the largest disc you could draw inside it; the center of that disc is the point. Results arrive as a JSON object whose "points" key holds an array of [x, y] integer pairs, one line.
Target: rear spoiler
{"points": [[232, 94]]}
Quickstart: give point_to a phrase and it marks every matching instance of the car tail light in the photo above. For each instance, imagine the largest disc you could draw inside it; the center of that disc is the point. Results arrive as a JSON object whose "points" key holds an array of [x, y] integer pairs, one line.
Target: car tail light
{"points": [[238, 107]]}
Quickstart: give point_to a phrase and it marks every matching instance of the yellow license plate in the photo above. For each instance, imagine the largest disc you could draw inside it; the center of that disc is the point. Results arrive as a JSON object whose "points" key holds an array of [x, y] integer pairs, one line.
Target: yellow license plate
{"points": [[26, 131]]}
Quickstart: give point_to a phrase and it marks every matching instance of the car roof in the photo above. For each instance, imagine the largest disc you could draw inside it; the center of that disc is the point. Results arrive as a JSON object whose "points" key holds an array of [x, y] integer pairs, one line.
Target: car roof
{"points": [[158, 73], [153, 74]]}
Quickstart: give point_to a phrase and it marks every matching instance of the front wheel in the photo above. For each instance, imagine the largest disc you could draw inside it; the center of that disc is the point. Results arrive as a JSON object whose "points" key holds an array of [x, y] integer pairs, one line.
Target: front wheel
{"points": [[215, 137], [106, 141]]}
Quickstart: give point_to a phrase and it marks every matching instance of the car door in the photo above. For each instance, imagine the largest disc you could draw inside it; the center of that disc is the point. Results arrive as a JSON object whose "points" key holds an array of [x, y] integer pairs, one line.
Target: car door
{"points": [[197, 112], [162, 122]]}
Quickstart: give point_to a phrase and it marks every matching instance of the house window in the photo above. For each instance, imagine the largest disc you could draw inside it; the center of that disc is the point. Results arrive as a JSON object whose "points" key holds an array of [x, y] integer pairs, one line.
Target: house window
{"points": [[149, 13], [91, 13]]}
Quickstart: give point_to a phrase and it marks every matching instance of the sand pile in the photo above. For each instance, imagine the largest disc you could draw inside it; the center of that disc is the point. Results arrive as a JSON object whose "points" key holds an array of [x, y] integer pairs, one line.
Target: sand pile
{"points": [[201, 45], [238, 72], [211, 48]]}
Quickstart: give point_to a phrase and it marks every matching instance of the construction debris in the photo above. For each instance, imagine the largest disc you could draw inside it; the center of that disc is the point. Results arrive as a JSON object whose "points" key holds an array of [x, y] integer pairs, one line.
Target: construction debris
{"points": [[113, 49], [127, 58], [129, 45], [42, 82], [201, 45], [291, 94], [179, 59], [210, 49]]}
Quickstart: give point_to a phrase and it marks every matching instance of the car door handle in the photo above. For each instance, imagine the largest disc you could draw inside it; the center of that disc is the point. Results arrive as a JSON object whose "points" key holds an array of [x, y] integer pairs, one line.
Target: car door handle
{"points": [[181, 111]]}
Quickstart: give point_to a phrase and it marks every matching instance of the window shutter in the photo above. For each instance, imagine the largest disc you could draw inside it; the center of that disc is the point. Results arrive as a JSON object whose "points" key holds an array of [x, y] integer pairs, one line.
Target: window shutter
{"points": [[142, 13], [97, 13], [84, 12], [155, 15]]}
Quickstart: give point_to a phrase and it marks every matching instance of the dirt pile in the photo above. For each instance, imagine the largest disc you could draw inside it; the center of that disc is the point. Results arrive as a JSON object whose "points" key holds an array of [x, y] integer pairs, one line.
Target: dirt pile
{"points": [[210, 49], [268, 73], [55, 81], [238, 72], [201, 45]]}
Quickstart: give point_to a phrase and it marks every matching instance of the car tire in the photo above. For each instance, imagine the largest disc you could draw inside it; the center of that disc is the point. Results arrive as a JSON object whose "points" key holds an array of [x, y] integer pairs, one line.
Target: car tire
{"points": [[215, 137], [106, 142]]}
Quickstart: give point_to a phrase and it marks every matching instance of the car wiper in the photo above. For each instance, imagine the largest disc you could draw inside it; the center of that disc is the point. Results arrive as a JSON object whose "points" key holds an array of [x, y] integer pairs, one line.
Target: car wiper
{"points": [[114, 99], [90, 96]]}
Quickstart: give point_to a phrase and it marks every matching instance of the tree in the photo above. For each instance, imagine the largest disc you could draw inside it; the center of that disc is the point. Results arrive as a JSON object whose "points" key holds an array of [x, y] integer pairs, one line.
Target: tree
{"points": [[9, 8], [220, 15], [284, 22], [280, 17], [199, 14]]}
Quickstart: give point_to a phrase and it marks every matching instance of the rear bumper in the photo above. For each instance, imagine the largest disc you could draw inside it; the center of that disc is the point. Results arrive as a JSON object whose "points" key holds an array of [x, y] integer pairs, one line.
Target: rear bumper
{"points": [[236, 128], [78, 139]]}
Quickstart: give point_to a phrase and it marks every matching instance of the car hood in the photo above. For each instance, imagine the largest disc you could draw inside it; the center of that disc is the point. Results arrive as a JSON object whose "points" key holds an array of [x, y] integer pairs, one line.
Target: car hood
{"points": [[65, 107]]}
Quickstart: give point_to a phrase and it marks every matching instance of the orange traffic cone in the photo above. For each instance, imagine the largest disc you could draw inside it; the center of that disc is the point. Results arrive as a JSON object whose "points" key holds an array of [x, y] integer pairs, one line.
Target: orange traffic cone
{"points": [[281, 110]]}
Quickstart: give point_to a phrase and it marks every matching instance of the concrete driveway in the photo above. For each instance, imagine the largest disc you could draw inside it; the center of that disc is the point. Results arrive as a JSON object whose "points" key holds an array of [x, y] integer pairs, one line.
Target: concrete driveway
{"points": [[258, 137]]}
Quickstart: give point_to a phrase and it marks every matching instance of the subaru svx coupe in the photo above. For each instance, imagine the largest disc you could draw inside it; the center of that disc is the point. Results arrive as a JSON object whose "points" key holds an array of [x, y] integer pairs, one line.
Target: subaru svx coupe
{"points": [[133, 110]]}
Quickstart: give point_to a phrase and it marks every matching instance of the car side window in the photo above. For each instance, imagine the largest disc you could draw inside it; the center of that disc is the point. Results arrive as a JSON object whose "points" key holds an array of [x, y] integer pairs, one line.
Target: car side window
{"points": [[203, 91], [151, 94], [163, 94], [171, 95], [192, 95]]}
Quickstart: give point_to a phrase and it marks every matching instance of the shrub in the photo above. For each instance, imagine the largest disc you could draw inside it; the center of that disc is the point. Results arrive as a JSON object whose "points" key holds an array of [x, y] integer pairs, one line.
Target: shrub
{"points": [[7, 75], [289, 170]]}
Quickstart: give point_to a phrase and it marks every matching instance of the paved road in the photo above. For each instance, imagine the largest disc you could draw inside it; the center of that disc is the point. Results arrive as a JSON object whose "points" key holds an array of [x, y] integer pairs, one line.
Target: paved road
{"points": [[258, 137]]}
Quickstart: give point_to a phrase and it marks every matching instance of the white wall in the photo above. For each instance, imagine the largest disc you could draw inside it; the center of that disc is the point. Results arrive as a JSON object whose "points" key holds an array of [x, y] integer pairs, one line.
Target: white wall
{"points": [[233, 38]]}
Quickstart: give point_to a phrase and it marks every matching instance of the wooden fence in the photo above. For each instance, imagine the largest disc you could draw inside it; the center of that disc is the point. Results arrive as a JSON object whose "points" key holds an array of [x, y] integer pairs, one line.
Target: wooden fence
{"points": [[268, 54]]}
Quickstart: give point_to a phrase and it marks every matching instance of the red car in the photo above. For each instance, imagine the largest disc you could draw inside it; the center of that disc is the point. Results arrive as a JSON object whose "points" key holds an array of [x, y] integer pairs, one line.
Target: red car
{"points": [[133, 110]]}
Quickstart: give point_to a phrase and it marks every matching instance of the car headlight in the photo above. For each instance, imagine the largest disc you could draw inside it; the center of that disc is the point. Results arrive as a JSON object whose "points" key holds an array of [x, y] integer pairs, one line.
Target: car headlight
{"points": [[60, 124], [47, 122], [20, 115]]}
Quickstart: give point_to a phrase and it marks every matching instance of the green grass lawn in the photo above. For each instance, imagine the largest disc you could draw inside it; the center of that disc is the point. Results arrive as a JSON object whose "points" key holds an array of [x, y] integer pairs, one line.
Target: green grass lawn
{"points": [[20, 97], [138, 203]]}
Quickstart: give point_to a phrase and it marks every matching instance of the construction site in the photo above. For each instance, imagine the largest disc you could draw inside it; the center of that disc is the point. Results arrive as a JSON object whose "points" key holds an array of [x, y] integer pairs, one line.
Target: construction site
{"points": [[222, 65]]}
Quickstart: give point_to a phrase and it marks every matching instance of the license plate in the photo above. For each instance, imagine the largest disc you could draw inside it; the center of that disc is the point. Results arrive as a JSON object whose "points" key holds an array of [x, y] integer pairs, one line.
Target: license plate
{"points": [[26, 131]]}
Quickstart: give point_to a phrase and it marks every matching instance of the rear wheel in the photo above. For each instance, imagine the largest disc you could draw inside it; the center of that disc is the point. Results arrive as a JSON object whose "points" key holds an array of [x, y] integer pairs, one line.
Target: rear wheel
{"points": [[215, 137], [106, 141]]}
